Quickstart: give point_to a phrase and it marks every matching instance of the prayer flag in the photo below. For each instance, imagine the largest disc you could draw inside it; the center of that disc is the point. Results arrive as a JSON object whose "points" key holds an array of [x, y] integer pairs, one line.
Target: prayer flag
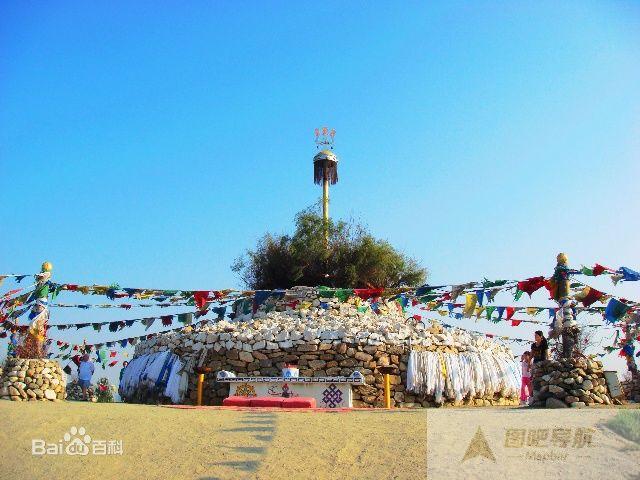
{"points": [[470, 304], [615, 310], [629, 275]]}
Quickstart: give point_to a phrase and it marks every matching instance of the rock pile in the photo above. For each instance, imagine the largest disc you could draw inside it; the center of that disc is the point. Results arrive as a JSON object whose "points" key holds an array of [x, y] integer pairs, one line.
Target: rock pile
{"points": [[569, 383], [32, 379], [631, 388], [324, 337], [74, 392]]}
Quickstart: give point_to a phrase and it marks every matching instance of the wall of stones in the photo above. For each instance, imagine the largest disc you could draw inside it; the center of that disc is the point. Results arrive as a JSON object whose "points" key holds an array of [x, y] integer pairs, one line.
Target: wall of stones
{"points": [[631, 388], [316, 358], [324, 337], [32, 380], [570, 383]]}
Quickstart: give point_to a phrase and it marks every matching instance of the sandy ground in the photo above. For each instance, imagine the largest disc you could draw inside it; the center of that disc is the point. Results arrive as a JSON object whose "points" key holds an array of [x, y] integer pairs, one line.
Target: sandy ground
{"points": [[160, 442]]}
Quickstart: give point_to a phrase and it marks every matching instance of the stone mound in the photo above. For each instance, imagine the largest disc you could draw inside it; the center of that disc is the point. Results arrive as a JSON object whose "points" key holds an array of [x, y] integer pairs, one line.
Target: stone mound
{"points": [[32, 379], [325, 337]]}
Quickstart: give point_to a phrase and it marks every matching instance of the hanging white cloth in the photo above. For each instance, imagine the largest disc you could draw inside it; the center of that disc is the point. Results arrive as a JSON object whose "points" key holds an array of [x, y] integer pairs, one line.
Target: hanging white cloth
{"points": [[458, 376], [161, 372]]}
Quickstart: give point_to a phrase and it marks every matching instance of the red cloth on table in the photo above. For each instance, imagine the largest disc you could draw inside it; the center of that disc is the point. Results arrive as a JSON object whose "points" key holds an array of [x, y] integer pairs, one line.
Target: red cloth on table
{"points": [[236, 401], [299, 402], [266, 402]]}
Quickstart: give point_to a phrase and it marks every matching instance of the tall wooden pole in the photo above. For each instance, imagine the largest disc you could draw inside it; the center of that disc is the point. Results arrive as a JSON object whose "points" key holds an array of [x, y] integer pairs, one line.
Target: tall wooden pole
{"points": [[325, 206]]}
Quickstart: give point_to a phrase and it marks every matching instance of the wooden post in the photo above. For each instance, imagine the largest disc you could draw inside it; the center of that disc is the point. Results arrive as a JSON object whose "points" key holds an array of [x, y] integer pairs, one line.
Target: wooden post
{"points": [[325, 207], [387, 391], [200, 385], [387, 371]]}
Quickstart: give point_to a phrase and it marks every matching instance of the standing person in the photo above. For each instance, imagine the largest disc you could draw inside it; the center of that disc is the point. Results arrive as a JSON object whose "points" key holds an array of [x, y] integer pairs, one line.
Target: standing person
{"points": [[85, 371], [539, 348], [13, 343], [525, 388], [124, 366]]}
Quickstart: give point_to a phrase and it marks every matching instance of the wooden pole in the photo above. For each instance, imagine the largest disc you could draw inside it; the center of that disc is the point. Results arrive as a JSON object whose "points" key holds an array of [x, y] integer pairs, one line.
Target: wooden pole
{"points": [[200, 384], [387, 390], [325, 205]]}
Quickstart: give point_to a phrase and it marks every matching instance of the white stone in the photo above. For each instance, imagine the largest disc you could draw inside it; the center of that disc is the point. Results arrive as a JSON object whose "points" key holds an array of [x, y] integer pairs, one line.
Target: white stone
{"points": [[282, 336], [49, 394]]}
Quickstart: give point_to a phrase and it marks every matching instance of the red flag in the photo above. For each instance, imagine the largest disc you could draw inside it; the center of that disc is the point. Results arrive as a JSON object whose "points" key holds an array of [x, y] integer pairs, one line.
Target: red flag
{"points": [[414, 302], [201, 298], [515, 323], [592, 297], [111, 364], [417, 318], [490, 335], [365, 293], [550, 285], [599, 269], [530, 285], [510, 312], [112, 354]]}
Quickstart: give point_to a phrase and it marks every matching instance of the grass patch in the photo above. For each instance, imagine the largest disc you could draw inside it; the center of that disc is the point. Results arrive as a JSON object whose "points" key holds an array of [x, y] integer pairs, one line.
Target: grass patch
{"points": [[626, 424]]}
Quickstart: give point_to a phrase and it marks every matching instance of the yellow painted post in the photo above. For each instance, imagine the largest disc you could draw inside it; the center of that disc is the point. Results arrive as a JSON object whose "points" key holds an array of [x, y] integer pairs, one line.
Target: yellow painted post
{"points": [[200, 385], [387, 391], [386, 371]]}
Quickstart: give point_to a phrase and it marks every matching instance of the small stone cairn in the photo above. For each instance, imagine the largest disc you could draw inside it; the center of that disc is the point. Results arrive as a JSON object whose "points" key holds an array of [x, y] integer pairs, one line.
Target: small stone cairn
{"points": [[575, 382], [324, 337], [32, 380]]}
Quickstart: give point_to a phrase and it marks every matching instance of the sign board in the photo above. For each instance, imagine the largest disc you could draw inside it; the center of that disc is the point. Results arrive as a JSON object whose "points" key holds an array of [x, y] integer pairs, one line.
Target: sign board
{"points": [[613, 383]]}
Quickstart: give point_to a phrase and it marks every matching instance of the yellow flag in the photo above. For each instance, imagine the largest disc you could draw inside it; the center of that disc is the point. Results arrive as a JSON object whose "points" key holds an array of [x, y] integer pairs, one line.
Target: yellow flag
{"points": [[443, 313], [533, 311], [470, 304], [479, 311]]}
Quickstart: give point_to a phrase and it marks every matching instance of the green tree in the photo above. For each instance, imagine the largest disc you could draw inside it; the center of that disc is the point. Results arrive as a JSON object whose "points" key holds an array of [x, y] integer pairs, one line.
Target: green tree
{"points": [[354, 259]]}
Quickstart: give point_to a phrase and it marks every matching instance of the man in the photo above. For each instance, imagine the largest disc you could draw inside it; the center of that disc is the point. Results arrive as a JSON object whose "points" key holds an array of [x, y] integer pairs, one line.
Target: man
{"points": [[85, 371]]}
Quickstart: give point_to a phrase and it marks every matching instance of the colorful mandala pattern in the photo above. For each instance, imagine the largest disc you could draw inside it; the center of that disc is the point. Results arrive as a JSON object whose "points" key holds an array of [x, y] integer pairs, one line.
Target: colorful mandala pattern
{"points": [[246, 390]]}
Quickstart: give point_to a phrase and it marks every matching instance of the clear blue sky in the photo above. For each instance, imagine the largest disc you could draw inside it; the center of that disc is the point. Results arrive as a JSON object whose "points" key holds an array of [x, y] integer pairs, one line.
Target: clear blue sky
{"points": [[150, 143]]}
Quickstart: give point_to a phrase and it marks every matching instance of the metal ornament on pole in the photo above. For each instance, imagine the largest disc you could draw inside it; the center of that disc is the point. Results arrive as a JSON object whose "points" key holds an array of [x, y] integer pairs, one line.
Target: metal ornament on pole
{"points": [[325, 171]]}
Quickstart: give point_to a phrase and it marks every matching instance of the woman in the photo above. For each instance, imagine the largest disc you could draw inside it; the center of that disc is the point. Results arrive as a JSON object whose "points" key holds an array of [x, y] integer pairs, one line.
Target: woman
{"points": [[539, 348], [525, 388]]}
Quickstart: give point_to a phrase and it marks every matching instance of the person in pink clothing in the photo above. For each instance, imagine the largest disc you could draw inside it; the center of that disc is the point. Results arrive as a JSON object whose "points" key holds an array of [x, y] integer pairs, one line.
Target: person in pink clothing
{"points": [[525, 389]]}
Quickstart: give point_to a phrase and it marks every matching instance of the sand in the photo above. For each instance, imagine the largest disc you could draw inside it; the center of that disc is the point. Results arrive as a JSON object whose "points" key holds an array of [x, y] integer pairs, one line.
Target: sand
{"points": [[160, 442]]}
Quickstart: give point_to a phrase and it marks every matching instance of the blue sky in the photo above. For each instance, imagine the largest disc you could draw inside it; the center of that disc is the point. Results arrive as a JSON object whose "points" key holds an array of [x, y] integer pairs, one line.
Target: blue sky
{"points": [[150, 144]]}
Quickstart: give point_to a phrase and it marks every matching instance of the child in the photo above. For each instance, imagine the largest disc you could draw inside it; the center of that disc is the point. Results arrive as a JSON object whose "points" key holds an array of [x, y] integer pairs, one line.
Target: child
{"points": [[526, 377]]}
